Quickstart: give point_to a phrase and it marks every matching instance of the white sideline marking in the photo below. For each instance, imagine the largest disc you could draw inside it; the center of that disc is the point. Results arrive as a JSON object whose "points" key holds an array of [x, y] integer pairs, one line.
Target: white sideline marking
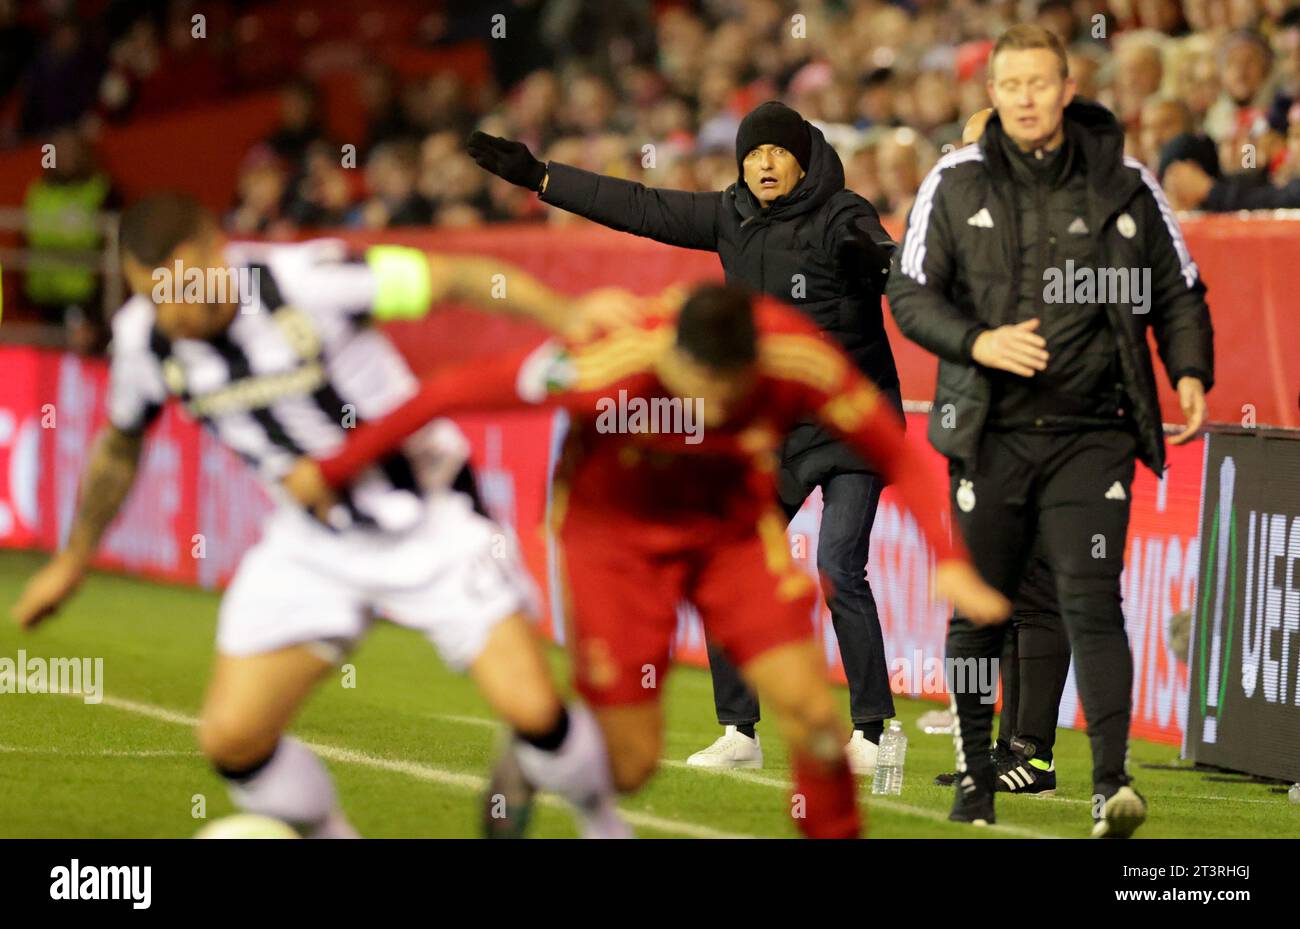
{"points": [[1224, 799], [877, 801], [1036, 798], [483, 722], [466, 720], [873, 801], [1189, 797], [431, 774], [102, 753], [766, 781], [473, 782]]}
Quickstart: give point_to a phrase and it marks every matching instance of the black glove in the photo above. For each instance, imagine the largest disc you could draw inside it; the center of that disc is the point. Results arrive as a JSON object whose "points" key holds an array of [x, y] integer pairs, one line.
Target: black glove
{"points": [[507, 159]]}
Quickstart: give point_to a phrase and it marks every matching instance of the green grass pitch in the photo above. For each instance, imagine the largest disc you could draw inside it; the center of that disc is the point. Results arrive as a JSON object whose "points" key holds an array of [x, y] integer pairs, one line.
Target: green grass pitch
{"points": [[409, 745]]}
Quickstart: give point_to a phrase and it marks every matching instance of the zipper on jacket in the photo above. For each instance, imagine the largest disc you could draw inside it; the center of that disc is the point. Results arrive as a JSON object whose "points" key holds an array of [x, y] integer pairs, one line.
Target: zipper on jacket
{"points": [[1015, 263]]}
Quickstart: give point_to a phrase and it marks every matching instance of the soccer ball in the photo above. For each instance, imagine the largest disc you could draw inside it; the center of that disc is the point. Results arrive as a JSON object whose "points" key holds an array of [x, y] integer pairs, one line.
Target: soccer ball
{"points": [[247, 826]]}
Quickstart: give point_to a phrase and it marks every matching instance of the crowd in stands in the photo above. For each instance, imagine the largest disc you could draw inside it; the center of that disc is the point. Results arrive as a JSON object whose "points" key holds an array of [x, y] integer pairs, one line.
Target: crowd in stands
{"points": [[1208, 92]]}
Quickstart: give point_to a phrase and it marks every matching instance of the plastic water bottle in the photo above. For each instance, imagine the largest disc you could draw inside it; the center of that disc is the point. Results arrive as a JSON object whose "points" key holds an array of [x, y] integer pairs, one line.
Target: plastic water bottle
{"points": [[889, 761]]}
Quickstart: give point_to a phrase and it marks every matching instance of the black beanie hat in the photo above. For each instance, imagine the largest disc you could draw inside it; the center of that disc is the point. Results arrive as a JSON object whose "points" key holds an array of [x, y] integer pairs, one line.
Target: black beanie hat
{"points": [[774, 123]]}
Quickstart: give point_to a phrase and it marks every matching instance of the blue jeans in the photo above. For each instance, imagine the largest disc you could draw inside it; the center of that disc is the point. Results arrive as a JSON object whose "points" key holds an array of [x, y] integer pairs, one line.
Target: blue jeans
{"points": [[849, 500]]}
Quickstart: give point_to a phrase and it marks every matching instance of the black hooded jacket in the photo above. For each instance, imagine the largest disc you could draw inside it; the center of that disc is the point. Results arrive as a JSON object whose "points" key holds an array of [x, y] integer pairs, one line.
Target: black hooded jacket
{"points": [[820, 248], [960, 269]]}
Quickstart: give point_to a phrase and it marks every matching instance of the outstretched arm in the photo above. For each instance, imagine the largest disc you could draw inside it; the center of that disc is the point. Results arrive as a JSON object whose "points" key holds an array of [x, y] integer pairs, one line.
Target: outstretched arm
{"points": [[496, 383], [107, 481], [573, 375], [409, 282], [677, 217]]}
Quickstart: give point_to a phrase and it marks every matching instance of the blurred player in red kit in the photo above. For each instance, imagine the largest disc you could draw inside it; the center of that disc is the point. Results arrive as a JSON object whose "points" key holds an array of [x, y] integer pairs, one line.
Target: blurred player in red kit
{"points": [[666, 493]]}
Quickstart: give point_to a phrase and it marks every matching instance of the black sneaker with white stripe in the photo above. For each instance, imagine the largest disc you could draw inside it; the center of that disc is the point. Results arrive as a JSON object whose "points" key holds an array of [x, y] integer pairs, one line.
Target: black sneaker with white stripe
{"points": [[974, 798], [997, 755], [1020, 772]]}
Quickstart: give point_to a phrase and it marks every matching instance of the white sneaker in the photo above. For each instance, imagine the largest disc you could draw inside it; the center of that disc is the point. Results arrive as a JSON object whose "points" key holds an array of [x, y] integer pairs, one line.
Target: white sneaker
{"points": [[733, 749], [862, 754]]}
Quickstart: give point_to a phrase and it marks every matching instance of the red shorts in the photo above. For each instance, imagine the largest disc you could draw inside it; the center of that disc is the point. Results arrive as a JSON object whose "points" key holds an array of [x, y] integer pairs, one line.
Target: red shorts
{"points": [[622, 605]]}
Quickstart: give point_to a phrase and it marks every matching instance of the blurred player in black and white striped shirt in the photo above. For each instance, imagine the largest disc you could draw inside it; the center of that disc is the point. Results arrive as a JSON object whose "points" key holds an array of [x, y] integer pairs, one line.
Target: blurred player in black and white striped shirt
{"points": [[273, 349]]}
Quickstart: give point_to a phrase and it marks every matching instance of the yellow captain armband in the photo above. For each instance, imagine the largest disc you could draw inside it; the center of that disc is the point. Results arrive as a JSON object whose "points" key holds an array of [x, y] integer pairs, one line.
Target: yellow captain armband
{"points": [[403, 284]]}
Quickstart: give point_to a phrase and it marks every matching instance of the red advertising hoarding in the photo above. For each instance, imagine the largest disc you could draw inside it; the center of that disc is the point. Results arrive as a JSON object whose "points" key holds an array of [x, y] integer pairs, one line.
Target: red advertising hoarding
{"points": [[197, 508]]}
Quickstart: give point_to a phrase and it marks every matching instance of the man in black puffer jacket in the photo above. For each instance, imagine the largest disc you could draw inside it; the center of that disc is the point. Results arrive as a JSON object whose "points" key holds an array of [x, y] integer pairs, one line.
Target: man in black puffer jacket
{"points": [[789, 228], [1034, 265]]}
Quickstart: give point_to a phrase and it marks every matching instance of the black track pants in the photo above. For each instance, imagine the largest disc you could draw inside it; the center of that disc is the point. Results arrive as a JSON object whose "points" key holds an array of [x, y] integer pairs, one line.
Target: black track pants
{"points": [[1073, 489], [1035, 661]]}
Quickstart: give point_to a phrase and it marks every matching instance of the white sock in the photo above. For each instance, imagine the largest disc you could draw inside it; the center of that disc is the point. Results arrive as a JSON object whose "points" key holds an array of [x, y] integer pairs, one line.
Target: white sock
{"points": [[294, 787], [579, 772]]}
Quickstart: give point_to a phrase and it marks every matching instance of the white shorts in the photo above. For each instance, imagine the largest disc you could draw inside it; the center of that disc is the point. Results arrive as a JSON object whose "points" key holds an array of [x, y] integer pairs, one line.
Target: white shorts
{"points": [[453, 576]]}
